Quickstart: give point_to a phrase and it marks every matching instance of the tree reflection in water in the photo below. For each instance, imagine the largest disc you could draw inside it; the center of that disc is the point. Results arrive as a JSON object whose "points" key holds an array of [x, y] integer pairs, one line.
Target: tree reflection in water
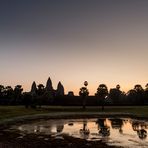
{"points": [[117, 124], [84, 132], [140, 128], [126, 131], [60, 128], [142, 133], [104, 130]]}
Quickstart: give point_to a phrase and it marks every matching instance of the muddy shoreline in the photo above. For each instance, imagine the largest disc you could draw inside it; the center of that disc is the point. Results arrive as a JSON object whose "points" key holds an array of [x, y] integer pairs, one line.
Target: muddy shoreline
{"points": [[9, 139]]}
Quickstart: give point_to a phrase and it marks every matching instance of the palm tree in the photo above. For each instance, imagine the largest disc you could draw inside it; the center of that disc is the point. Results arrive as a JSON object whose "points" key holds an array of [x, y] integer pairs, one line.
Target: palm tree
{"points": [[84, 93], [118, 87], [102, 93], [40, 94]]}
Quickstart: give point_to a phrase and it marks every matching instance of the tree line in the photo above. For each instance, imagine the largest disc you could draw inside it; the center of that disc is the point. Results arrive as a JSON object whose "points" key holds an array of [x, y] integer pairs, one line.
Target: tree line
{"points": [[46, 95]]}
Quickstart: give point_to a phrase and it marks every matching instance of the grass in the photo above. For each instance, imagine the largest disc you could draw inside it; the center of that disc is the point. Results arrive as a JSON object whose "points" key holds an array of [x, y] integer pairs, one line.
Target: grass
{"points": [[15, 111], [7, 112]]}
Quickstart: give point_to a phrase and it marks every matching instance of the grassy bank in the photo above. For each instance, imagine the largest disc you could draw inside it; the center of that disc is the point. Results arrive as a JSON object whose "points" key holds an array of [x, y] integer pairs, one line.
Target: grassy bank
{"points": [[7, 112]]}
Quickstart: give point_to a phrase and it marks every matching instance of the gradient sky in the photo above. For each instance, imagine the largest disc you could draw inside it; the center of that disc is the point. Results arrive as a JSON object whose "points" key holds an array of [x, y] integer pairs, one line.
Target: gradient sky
{"points": [[101, 41]]}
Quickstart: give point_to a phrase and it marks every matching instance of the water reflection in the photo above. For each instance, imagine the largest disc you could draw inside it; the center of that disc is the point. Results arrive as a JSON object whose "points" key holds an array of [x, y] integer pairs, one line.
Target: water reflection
{"points": [[84, 132], [117, 124], [104, 129], [140, 128], [142, 133], [113, 131], [60, 128]]}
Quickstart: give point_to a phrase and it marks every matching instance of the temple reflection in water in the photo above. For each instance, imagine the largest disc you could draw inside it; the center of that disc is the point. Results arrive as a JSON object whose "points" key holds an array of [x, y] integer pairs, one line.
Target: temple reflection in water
{"points": [[113, 131]]}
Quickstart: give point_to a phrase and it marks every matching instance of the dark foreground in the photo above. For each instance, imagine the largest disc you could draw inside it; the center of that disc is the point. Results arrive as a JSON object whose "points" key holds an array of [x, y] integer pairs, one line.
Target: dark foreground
{"points": [[13, 139]]}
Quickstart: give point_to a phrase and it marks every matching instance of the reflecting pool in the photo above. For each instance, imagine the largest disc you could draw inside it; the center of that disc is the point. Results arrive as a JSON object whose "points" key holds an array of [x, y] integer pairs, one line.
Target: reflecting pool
{"points": [[125, 132]]}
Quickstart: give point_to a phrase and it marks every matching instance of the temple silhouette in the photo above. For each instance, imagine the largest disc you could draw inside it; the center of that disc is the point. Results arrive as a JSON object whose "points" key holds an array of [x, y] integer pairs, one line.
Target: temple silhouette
{"points": [[46, 95]]}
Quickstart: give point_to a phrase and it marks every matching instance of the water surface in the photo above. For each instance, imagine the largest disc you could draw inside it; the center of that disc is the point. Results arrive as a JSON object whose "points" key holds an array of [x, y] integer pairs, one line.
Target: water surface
{"points": [[113, 131]]}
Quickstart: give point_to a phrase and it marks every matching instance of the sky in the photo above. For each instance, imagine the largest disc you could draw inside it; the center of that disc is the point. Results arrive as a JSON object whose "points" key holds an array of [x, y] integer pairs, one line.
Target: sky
{"points": [[101, 41]]}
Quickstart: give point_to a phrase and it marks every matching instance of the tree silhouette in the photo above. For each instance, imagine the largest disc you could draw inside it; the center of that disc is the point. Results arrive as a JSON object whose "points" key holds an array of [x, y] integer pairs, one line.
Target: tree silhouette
{"points": [[40, 90], [131, 95], [115, 94], [8, 92], [83, 93], [18, 94], [40, 93], [136, 95], [102, 93], [47, 95], [1, 91], [139, 94], [146, 86], [146, 94], [27, 99]]}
